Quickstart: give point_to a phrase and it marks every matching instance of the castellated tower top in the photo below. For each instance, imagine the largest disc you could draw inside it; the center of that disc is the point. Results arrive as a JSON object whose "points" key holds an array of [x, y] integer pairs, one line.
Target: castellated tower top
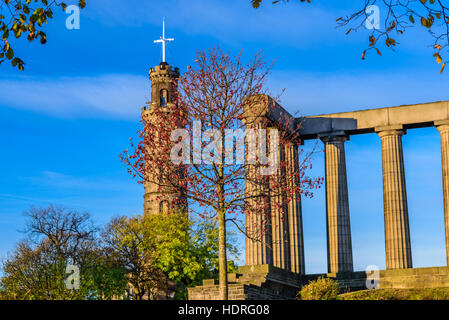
{"points": [[163, 85], [163, 69]]}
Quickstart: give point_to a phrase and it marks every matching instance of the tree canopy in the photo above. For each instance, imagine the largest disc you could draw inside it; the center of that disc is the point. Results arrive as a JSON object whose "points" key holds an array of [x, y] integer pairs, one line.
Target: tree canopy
{"points": [[151, 257], [25, 18]]}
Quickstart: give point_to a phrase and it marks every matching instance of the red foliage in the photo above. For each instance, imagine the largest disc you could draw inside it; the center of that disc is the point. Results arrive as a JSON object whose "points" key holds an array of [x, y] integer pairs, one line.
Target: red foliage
{"points": [[216, 94]]}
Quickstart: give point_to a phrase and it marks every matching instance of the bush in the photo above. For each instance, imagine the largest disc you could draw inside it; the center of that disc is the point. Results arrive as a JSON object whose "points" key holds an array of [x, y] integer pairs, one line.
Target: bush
{"points": [[320, 289]]}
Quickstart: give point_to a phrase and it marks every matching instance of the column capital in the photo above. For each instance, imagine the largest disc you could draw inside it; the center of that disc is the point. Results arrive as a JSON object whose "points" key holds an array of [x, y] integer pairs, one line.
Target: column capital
{"points": [[334, 137], [397, 130], [442, 125]]}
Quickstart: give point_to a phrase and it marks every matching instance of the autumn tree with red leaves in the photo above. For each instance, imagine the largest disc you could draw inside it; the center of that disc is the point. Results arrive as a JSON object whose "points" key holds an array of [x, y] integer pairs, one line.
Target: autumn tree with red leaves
{"points": [[185, 148]]}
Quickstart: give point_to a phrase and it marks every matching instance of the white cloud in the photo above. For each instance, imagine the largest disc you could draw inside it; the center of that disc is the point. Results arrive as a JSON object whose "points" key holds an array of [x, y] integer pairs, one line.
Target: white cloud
{"points": [[102, 96], [122, 95]]}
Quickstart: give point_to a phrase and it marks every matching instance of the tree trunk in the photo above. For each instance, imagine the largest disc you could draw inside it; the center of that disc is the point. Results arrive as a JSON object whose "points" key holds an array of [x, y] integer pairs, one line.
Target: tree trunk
{"points": [[222, 261]]}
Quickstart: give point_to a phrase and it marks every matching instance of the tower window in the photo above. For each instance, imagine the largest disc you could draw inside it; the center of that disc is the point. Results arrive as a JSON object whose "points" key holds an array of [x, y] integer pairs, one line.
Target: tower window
{"points": [[164, 97], [163, 206]]}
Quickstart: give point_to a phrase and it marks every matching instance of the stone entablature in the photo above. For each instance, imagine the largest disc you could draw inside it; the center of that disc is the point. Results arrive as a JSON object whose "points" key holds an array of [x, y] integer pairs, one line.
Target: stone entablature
{"points": [[366, 121]]}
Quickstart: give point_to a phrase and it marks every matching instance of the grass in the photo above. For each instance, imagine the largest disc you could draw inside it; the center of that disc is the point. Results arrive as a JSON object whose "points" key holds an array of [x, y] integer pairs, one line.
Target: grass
{"points": [[398, 294]]}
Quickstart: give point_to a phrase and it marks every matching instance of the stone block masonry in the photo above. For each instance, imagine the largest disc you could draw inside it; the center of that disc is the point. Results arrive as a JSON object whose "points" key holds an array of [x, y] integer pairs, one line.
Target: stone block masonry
{"points": [[265, 282], [259, 282]]}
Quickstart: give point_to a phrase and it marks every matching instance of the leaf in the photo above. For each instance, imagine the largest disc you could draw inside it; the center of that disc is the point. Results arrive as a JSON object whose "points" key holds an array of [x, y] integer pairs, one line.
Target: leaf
{"points": [[378, 52], [33, 18], [9, 53], [412, 20], [256, 3], [363, 55], [43, 38], [82, 3], [423, 22], [390, 42], [5, 34], [22, 18], [393, 24], [438, 57], [442, 68]]}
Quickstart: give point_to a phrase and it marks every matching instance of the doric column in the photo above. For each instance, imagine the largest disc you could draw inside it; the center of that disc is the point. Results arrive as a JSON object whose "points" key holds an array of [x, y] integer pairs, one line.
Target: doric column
{"points": [[397, 231], [296, 239], [443, 128], [258, 242], [279, 215], [339, 243]]}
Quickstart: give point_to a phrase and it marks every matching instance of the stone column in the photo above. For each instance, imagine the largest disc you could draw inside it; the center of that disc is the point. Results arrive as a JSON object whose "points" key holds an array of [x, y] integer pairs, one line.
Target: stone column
{"points": [[279, 215], [259, 249], [443, 128], [397, 231], [296, 238], [258, 242], [339, 243]]}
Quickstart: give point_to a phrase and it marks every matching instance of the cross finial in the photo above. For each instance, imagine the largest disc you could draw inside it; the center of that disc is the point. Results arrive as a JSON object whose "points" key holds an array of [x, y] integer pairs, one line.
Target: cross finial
{"points": [[163, 40]]}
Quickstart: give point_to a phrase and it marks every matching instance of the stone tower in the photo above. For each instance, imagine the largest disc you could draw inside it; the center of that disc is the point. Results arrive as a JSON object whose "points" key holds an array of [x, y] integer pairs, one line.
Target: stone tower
{"points": [[163, 95]]}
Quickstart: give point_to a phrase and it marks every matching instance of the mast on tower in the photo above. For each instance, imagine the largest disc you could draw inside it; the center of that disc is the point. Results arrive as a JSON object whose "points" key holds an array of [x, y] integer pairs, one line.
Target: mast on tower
{"points": [[163, 40]]}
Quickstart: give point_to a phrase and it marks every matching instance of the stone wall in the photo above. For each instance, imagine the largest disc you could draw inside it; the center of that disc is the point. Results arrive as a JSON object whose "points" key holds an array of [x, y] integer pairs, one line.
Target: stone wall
{"points": [[434, 277], [260, 282]]}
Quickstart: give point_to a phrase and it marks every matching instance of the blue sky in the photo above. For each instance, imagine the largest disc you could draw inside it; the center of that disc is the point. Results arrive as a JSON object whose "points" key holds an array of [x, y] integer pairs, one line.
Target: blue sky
{"points": [[68, 116]]}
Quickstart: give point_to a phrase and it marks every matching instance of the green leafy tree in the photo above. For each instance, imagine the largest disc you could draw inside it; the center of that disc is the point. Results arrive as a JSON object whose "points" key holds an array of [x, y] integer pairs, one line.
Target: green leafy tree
{"points": [[163, 253], [134, 242], [25, 18]]}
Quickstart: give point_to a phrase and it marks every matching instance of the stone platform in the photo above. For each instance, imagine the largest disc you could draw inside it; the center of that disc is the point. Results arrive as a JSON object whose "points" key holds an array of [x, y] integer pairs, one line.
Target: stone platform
{"points": [[259, 282], [266, 282]]}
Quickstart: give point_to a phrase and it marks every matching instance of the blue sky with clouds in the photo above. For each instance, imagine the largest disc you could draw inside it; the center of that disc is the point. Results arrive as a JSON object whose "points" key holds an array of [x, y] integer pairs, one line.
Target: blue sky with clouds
{"points": [[68, 116]]}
